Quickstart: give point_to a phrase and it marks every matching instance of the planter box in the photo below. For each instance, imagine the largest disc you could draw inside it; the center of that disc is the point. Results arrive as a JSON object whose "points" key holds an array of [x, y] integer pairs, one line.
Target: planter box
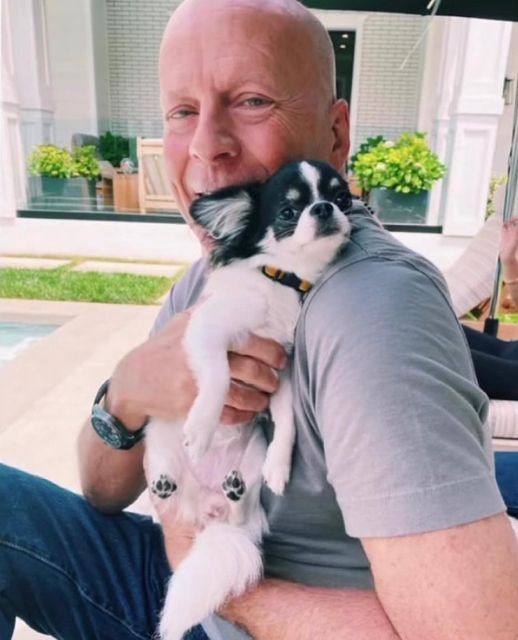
{"points": [[125, 192], [392, 206], [45, 186]]}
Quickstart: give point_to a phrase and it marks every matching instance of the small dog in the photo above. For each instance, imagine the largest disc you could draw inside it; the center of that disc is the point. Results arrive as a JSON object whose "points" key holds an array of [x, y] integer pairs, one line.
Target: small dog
{"points": [[272, 241]]}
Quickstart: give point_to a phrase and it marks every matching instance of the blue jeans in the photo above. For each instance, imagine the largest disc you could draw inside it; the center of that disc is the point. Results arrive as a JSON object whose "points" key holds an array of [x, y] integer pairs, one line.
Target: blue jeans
{"points": [[506, 469], [74, 573]]}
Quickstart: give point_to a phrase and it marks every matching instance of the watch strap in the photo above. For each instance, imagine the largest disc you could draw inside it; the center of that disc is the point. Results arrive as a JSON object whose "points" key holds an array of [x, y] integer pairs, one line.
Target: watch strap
{"points": [[128, 438]]}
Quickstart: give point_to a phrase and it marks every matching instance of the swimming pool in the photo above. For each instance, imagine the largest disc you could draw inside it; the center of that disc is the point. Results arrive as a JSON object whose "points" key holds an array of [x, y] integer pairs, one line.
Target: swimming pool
{"points": [[15, 337]]}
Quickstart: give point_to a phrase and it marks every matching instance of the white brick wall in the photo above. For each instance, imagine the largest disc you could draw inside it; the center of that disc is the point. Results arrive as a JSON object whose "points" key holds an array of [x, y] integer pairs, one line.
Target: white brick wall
{"points": [[388, 101], [134, 31]]}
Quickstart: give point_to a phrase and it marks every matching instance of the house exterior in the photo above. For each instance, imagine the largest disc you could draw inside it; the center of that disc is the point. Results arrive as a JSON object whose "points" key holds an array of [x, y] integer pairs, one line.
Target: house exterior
{"points": [[91, 66]]}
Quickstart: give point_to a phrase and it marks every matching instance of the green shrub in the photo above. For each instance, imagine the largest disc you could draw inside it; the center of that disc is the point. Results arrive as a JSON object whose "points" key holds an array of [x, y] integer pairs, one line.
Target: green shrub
{"points": [[86, 165], [55, 162], [495, 183], [407, 165], [365, 147], [113, 148], [52, 161]]}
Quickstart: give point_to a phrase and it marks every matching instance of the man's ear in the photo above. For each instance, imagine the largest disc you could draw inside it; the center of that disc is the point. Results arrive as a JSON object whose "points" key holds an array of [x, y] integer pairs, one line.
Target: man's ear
{"points": [[339, 115], [224, 214]]}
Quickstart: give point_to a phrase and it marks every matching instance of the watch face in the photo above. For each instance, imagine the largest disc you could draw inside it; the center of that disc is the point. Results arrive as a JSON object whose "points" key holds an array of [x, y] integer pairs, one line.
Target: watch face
{"points": [[107, 430]]}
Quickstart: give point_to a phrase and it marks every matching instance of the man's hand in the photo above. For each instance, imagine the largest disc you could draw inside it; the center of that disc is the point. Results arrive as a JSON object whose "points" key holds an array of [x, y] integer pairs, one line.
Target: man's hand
{"points": [[155, 378]]}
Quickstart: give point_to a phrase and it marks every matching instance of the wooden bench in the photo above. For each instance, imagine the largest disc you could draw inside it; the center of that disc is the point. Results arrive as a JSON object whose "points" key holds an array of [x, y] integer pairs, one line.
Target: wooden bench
{"points": [[155, 193]]}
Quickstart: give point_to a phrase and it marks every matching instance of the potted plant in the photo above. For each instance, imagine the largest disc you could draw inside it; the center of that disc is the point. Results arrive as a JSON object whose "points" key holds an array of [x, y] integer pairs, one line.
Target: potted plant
{"points": [[398, 177], [113, 148], [57, 172]]}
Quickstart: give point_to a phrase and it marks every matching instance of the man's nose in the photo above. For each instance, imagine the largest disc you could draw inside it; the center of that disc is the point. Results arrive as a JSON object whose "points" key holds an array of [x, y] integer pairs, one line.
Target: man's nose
{"points": [[214, 139], [322, 210]]}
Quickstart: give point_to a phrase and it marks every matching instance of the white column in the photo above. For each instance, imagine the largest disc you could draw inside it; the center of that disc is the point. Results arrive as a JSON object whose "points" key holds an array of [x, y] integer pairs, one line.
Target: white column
{"points": [[478, 51], [450, 44], [72, 68], [31, 62], [12, 173]]}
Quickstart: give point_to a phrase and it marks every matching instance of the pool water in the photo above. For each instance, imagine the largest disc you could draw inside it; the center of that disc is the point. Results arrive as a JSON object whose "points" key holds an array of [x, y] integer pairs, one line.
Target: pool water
{"points": [[15, 337]]}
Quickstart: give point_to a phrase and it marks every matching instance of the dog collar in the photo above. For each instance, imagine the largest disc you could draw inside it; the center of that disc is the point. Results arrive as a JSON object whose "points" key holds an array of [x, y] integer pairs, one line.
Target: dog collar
{"points": [[288, 279]]}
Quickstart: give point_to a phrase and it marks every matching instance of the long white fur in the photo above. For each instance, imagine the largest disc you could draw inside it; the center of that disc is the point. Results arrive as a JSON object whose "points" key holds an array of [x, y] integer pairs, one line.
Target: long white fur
{"points": [[237, 300]]}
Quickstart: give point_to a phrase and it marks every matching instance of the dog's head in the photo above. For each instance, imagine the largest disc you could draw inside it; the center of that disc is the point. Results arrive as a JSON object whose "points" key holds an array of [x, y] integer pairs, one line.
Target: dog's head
{"points": [[295, 221]]}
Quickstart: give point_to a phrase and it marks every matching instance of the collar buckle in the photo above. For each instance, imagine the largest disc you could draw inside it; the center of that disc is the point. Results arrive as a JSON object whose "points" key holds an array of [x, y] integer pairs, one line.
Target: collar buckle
{"points": [[287, 279]]}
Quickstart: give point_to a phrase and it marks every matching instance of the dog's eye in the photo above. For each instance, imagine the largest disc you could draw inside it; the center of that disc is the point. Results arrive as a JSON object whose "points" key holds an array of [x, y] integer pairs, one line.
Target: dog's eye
{"points": [[342, 200], [287, 213]]}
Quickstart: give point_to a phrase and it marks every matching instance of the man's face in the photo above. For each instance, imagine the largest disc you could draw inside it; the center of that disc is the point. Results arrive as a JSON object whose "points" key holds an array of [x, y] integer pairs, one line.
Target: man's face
{"points": [[240, 98]]}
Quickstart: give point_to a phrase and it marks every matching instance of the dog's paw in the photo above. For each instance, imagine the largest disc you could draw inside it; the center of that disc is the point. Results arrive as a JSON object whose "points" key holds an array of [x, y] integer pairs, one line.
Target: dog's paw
{"points": [[234, 486], [275, 474], [164, 487]]}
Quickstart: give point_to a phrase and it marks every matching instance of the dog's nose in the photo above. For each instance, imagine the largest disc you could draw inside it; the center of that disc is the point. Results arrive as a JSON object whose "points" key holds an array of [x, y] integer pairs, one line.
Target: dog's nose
{"points": [[322, 210]]}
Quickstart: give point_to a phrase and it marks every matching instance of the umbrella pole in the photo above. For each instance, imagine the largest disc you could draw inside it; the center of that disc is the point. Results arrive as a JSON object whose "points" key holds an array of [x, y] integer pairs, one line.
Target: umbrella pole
{"points": [[491, 323]]}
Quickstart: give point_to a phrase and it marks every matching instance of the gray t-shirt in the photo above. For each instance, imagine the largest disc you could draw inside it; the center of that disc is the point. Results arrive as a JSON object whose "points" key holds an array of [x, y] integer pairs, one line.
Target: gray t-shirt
{"points": [[391, 437]]}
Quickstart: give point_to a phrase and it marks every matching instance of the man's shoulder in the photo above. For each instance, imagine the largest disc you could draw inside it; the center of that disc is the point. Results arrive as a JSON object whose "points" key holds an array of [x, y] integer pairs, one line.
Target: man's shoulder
{"points": [[183, 294], [187, 290], [375, 272]]}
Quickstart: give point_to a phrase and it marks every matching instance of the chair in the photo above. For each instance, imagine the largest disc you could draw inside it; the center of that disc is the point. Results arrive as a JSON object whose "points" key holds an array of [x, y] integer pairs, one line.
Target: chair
{"points": [[470, 280], [155, 193]]}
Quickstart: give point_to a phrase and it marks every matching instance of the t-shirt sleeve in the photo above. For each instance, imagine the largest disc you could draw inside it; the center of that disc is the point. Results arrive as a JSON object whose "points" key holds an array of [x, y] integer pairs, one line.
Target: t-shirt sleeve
{"points": [[182, 295], [396, 403]]}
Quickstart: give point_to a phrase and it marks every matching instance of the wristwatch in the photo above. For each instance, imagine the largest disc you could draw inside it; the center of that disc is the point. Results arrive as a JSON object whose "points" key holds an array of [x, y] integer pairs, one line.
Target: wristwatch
{"points": [[110, 428]]}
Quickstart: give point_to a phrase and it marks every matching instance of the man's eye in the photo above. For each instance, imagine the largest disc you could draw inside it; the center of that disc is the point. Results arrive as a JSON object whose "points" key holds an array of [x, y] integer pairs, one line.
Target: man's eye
{"points": [[287, 213], [256, 102], [178, 114]]}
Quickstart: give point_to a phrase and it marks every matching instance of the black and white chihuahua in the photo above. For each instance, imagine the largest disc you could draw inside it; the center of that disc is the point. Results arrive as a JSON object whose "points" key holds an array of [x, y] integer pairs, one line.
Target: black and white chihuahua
{"points": [[283, 232]]}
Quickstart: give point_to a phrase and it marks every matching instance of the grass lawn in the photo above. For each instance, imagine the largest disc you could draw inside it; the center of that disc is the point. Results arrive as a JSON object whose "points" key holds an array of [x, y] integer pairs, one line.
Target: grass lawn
{"points": [[77, 286]]}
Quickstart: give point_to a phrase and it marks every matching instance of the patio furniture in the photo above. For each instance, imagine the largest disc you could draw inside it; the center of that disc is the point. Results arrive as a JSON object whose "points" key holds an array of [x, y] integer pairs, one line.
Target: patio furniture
{"points": [[84, 139], [155, 193], [470, 280]]}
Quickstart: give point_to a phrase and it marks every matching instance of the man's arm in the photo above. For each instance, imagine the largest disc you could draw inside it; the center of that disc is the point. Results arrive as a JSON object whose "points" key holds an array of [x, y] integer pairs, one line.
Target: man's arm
{"points": [[279, 609], [455, 584], [111, 479]]}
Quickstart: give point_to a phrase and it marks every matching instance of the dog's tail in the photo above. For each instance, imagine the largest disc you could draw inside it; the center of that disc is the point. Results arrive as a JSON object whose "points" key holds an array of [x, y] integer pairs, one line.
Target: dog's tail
{"points": [[224, 561]]}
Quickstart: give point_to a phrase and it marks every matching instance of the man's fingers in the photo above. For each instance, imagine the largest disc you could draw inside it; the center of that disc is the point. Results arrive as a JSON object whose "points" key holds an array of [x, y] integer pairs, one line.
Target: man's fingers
{"points": [[265, 350], [253, 372], [247, 399]]}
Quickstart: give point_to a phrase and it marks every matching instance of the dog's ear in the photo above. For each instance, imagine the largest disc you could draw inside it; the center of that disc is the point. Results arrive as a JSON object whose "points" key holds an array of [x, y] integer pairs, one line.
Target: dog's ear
{"points": [[225, 214]]}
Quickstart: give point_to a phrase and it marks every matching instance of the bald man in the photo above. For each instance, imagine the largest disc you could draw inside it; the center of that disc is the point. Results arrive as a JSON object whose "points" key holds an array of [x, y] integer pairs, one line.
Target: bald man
{"points": [[392, 525]]}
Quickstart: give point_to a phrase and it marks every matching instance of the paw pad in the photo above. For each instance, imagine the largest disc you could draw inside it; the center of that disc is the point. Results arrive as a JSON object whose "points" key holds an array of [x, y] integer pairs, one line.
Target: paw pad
{"points": [[163, 487], [234, 486]]}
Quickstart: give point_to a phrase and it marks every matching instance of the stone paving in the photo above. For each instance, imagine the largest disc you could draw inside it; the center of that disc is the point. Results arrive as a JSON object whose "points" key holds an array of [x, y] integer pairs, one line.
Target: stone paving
{"points": [[137, 268], [14, 262], [124, 267]]}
